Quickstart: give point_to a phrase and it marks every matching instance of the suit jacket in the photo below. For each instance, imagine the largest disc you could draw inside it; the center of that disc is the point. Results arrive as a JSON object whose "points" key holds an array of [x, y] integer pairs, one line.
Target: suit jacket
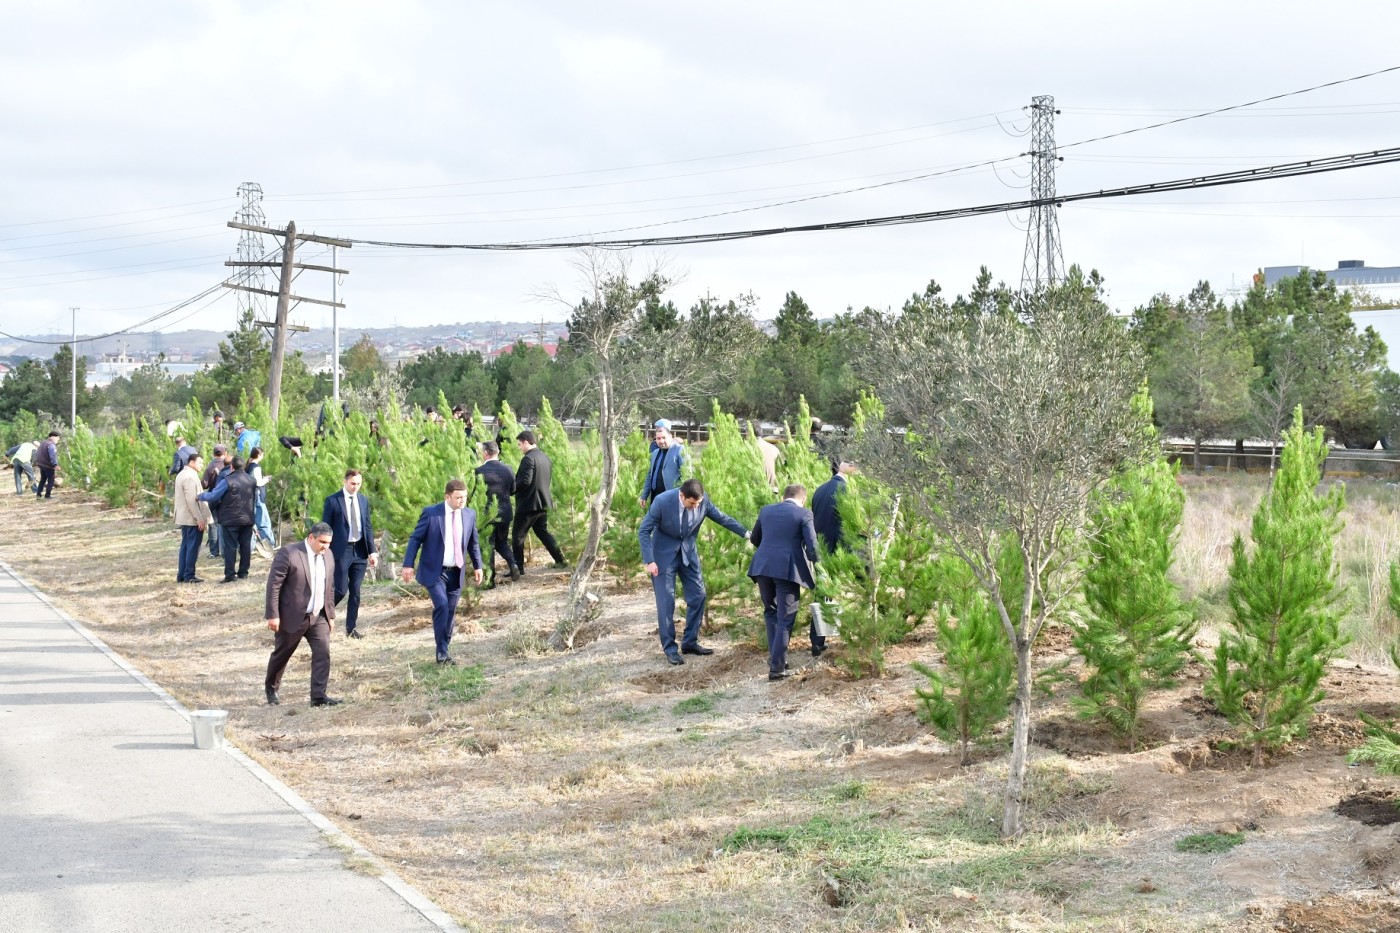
{"points": [[500, 484], [662, 537], [532, 482], [787, 543], [826, 514], [333, 514], [428, 536], [289, 585], [664, 471]]}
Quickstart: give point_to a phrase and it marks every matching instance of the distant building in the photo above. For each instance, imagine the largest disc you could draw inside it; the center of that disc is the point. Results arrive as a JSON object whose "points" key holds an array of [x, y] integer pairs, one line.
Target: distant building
{"points": [[1348, 272]]}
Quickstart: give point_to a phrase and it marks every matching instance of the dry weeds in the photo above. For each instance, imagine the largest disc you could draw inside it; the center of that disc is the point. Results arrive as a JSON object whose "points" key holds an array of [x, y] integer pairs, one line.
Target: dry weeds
{"points": [[602, 790]]}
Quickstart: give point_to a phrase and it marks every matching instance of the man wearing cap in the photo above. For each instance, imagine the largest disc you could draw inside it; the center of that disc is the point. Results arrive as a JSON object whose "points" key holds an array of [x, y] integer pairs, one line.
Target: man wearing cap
{"points": [[667, 461], [46, 459], [244, 440]]}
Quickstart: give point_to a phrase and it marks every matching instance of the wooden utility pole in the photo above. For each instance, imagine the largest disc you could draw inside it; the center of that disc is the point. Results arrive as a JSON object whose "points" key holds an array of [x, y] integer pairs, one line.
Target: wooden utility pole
{"points": [[285, 298]]}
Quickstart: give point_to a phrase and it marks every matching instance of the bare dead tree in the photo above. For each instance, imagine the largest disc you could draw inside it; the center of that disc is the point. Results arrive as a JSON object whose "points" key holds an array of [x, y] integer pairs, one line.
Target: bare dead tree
{"points": [[628, 361], [1008, 424], [1273, 400]]}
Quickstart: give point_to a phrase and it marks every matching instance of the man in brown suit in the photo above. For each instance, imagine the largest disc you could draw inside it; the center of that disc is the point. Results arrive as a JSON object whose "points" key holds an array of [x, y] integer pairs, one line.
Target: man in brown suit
{"points": [[301, 604]]}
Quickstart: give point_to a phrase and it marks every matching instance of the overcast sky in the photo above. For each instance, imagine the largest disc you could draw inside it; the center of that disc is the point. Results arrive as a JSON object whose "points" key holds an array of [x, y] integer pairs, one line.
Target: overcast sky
{"points": [[127, 129]]}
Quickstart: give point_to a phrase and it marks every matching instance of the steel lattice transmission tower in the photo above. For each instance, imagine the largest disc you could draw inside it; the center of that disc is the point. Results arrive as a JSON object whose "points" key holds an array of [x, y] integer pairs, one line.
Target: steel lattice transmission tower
{"points": [[1045, 262], [251, 248]]}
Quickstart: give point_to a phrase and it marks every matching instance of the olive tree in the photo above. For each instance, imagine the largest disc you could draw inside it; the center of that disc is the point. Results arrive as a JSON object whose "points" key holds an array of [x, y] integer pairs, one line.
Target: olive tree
{"points": [[1009, 422], [627, 359]]}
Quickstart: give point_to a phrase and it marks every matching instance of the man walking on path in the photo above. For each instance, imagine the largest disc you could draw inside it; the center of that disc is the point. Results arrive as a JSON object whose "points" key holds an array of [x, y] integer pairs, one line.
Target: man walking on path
{"points": [[667, 536], [22, 459], [191, 517], [781, 566], [46, 459], [667, 460], [533, 502], [300, 604], [347, 513], [500, 483], [236, 494], [446, 536]]}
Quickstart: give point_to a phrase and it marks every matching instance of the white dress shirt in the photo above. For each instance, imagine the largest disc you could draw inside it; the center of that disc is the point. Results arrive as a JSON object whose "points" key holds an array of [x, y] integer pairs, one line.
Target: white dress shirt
{"points": [[317, 564], [452, 521], [352, 516]]}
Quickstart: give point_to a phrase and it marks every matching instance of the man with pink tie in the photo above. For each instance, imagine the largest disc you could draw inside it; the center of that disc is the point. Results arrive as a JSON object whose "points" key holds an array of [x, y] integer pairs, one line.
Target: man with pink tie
{"points": [[446, 535]]}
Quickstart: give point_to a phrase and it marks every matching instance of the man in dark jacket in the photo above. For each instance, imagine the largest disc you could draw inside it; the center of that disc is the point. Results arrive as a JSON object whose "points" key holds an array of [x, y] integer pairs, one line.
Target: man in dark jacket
{"points": [[666, 464], [782, 564], [826, 512], [533, 502], [183, 452], [218, 466], [236, 494], [46, 459], [352, 544], [500, 484]]}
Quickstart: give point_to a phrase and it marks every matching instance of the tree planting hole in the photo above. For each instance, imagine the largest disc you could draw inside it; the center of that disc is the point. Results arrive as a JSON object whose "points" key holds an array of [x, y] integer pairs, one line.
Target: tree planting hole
{"points": [[1372, 807]]}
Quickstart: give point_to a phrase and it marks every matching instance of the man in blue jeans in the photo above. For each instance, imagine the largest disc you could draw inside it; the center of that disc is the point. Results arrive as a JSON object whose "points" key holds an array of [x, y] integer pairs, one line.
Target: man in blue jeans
{"points": [[191, 517], [446, 536], [667, 536]]}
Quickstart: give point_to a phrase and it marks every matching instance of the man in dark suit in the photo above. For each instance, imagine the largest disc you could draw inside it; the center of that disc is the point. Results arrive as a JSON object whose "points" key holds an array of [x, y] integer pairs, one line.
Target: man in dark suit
{"points": [[782, 564], [446, 536], [500, 485], [347, 512], [236, 496], [301, 604], [826, 516], [667, 535], [533, 502]]}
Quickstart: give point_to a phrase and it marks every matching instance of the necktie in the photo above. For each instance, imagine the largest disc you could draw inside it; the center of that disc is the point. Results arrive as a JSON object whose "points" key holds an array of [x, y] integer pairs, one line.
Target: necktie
{"points": [[457, 537], [354, 503]]}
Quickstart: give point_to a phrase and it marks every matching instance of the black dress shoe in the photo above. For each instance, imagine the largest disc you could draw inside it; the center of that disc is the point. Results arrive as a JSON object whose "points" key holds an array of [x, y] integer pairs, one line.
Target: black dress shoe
{"points": [[326, 701], [195, 580], [354, 633], [446, 661], [228, 580], [560, 565], [272, 698], [818, 650], [516, 573], [782, 675], [675, 658], [696, 649]]}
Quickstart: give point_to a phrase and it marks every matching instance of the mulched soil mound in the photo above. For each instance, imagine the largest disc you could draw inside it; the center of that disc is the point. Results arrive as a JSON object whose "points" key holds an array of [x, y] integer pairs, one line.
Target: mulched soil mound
{"points": [[1372, 807], [1340, 915]]}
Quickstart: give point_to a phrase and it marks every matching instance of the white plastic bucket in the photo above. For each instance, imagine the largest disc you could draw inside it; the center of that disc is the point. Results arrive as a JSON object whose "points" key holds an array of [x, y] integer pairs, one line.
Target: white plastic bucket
{"points": [[209, 727], [826, 620]]}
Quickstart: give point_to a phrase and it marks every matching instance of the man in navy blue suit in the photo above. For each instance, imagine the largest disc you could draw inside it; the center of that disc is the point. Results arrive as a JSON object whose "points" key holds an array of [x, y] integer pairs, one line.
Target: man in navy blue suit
{"points": [[667, 535], [347, 512], [446, 536], [781, 566], [826, 516]]}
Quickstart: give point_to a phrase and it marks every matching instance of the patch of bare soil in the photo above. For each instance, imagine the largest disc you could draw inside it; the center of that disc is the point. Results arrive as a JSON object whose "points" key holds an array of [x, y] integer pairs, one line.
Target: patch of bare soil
{"points": [[1337, 914], [602, 789], [1371, 807]]}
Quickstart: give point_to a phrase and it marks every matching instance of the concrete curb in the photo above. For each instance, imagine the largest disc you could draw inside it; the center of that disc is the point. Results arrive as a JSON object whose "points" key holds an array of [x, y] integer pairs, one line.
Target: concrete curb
{"points": [[333, 834]]}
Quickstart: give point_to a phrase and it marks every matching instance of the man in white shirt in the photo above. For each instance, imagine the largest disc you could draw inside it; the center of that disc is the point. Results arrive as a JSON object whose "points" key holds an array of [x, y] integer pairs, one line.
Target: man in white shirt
{"points": [[301, 604], [347, 512], [446, 537]]}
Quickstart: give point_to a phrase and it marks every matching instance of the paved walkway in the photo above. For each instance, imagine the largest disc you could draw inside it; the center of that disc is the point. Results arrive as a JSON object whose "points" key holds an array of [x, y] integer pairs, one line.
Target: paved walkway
{"points": [[111, 820]]}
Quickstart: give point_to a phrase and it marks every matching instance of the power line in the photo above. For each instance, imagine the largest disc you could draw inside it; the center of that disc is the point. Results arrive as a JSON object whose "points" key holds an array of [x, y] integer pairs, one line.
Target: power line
{"points": [[1240, 176], [155, 317], [1220, 110], [663, 164]]}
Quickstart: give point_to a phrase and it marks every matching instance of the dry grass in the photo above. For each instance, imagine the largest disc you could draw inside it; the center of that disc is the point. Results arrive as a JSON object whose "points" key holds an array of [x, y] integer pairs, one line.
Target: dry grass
{"points": [[1217, 509], [604, 790]]}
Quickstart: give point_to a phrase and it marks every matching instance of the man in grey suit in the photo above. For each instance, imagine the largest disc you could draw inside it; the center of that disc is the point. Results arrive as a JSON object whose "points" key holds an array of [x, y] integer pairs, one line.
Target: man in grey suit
{"points": [[781, 566], [667, 536], [301, 604]]}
